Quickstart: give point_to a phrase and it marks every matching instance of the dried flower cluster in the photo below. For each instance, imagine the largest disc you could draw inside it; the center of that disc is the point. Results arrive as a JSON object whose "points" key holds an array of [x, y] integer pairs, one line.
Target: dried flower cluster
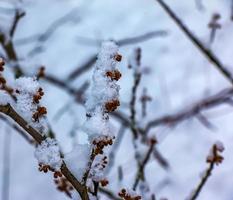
{"points": [[102, 142]]}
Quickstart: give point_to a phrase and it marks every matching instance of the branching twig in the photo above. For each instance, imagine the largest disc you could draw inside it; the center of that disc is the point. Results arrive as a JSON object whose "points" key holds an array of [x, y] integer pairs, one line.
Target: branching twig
{"points": [[18, 16]]}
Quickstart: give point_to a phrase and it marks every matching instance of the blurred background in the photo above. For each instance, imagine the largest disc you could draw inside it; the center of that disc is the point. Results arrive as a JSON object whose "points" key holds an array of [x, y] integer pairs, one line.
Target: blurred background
{"points": [[65, 36]]}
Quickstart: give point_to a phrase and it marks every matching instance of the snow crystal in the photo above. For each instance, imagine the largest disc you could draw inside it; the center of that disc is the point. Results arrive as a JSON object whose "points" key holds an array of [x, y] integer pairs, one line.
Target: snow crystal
{"points": [[27, 87], [5, 98], [77, 160], [48, 153]]}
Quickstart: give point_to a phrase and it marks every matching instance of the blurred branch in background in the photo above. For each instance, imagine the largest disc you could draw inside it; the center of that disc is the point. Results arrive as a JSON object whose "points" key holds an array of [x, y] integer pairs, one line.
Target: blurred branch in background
{"points": [[122, 42], [222, 97], [206, 52]]}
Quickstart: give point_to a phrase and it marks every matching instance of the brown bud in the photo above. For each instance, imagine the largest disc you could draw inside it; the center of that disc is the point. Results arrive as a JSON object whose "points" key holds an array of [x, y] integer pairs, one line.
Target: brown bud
{"points": [[118, 57]]}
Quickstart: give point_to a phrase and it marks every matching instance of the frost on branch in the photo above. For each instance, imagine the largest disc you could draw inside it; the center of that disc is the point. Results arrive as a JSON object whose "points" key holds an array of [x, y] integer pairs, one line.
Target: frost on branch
{"points": [[28, 94], [48, 153]]}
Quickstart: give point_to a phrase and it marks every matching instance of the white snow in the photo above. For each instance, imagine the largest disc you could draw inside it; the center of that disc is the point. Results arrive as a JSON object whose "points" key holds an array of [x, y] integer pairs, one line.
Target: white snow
{"points": [[27, 87], [103, 89], [5, 98], [96, 126], [77, 160], [48, 153]]}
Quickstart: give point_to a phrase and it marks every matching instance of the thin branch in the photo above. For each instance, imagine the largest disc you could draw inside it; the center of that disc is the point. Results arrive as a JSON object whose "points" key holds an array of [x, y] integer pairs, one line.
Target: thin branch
{"points": [[214, 158], [9, 111], [141, 168], [222, 97], [137, 79], [122, 42], [206, 52], [80, 70], [52, 28], [203, 181], [18, 16], [142, 38]]}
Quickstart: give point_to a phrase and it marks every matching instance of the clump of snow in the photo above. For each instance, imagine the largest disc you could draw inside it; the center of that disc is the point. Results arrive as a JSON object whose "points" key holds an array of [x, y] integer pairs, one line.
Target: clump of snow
{"points": [[5, 98], [97, 125], [103, 89], [26, 88], [77, 160], [48, 153]]}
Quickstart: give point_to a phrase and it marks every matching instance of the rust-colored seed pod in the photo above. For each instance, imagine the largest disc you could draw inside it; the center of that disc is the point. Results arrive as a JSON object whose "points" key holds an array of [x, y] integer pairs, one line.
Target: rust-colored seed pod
{"points": [[41, 72], [42, 110], [114, 75], [110, 106], [104, 182], [118, 57]]}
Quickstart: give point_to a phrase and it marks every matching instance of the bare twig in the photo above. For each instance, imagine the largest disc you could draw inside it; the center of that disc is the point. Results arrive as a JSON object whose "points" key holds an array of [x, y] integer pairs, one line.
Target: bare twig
{"points": [[222, 97], [18, 16], [80, 70], [141, 38], [206, 52], [141, 168], [214, 158], [52, 28], [137, 79]]}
